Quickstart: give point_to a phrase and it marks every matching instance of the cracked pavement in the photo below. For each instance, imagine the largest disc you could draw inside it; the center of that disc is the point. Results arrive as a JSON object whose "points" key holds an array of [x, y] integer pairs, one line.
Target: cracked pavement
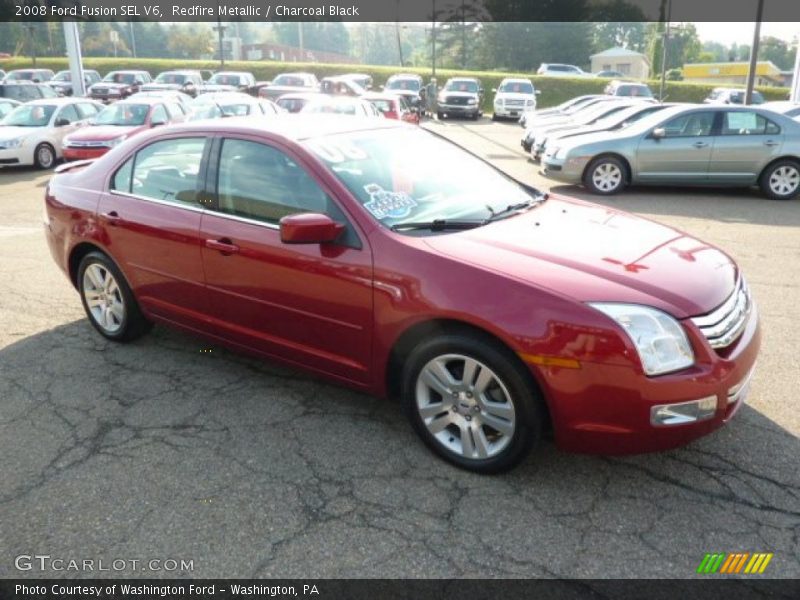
{"points": [[162, 449]]}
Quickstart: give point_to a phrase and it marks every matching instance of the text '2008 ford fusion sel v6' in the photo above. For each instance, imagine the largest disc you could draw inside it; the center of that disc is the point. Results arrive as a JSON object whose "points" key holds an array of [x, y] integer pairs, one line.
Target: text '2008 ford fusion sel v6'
{"points": [[384, 258]]}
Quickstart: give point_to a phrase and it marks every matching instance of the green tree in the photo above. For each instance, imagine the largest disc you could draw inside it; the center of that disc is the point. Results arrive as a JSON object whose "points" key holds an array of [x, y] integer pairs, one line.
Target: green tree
{"points": [[776, 50], [194, 40], [619, 34]]}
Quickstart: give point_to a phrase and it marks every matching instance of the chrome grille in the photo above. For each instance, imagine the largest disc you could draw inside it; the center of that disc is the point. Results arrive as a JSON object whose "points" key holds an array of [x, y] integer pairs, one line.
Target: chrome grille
{"points": [[515, 102], [725, 324], [92, 144], [456, 100]]}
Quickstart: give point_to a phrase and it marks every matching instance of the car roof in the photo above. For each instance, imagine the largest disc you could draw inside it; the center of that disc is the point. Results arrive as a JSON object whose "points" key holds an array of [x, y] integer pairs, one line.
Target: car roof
{"points": [[288, 126]]}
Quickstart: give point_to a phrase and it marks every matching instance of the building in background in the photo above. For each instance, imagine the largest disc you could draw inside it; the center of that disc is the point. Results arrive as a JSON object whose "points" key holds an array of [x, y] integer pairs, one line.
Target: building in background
{"points": [[732, 73], [285, 53], [628, 62]]}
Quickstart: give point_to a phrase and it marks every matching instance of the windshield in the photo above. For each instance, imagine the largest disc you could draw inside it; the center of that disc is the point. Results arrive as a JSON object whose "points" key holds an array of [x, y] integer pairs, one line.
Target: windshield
{"points": [[461, 85], [127, 78], [333, 108], [634, 90], [36, 115], [516, 87], [289, 81], [225, 79], [176, 78], [5, 108], [292, 105], [222, 109], [123, 114], [20, 76], [402, 175], [63, 76], [403, 84]]}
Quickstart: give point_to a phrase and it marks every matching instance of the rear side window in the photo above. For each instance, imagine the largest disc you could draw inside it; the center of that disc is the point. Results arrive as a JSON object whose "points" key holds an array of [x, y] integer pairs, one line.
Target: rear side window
{"points": [[167, 170], [745, 122]]}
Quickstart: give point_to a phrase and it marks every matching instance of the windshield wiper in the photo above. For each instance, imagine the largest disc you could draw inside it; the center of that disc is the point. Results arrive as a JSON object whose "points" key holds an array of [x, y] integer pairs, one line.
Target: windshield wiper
{"points": [[514, 208], [437, 225]]}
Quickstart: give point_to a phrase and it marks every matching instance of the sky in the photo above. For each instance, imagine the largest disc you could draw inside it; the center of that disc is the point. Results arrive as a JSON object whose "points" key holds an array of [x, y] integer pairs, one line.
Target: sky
{"points": [[742, 33]]}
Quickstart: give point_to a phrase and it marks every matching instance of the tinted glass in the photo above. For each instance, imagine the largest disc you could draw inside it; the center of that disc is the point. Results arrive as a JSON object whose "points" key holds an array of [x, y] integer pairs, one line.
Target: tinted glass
{"points": [[690, 125], [259, 182], [168, 170]]}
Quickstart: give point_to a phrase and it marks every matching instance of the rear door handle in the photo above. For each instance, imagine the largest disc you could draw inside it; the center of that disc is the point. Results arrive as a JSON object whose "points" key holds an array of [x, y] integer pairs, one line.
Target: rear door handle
{"points": [[224, 246], [112, 217], [700, 144]]}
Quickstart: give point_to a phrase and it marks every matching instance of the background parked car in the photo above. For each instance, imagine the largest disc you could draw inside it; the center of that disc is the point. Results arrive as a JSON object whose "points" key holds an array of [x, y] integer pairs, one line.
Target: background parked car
{"points": [[32, 75], [341, 105], [188, 82], [790, 109], [118, 85], [289, 82], [460, 96], [513, 97], [118, 122], [564, 107], [180, 97], [341, 86], [411, 86], [32, 133], [230, 81], [24, 91], [629, 89], [687, 145], [393, 106], [62, 81], [216, 105], [7, 105], [294, 103], [609, 74], [362, 79], [561, 70], [732, 96]]}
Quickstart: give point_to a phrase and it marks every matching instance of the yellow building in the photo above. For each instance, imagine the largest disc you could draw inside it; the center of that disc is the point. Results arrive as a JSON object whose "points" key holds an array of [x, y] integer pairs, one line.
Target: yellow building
{"points": [[732, 73]]}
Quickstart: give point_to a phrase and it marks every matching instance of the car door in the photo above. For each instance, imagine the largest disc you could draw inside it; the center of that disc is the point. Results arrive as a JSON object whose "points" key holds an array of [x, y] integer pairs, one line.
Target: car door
{"points": [[747, 141], [682, 154], [150, 218], [310, 304], [67, 113]]}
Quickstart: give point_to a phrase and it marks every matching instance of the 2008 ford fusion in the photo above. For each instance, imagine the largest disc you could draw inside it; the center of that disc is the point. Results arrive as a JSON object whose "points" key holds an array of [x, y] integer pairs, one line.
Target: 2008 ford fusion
{"points": [[384, 258]]}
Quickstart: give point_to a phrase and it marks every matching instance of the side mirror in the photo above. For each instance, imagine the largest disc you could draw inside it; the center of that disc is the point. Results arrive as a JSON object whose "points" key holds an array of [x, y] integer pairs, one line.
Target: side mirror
{"points": [[157, 123], [61, 122], [309, 228], [658, 133]]}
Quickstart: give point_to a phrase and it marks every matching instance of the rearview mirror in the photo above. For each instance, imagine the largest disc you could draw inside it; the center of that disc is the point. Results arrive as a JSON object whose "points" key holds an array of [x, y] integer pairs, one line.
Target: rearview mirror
{"points": [[658, 133], [309, 228]]}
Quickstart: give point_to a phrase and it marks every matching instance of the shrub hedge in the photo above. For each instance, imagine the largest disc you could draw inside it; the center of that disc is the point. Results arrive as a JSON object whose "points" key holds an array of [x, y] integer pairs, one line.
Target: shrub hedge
{"points": [[554, 90]]}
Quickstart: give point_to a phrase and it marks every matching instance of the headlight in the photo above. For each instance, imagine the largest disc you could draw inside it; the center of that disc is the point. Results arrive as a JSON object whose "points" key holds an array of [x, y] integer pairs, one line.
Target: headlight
{"points": [[116, 141], [659, 339], [15, 143], [472, 100], [529, 102]]}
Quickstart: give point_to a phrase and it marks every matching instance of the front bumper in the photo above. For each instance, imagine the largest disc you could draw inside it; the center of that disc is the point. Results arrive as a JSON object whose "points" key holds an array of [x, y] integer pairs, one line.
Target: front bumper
{"points": [[11, 157], [569, 170], [607, 409], [84, 153], [509, 112], [459, 109]]}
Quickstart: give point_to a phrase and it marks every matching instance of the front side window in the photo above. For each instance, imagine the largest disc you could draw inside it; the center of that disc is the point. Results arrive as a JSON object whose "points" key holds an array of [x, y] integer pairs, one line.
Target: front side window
{"points": [[690, 125], [167, 170], [745, 122], [259, 182]]}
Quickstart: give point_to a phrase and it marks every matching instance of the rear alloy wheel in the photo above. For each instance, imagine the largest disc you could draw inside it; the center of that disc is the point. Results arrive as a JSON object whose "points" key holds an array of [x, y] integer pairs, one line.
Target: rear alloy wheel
{"points": [[781, 181], [44, 156], [605, 175], [470, 403], [108, 300]]}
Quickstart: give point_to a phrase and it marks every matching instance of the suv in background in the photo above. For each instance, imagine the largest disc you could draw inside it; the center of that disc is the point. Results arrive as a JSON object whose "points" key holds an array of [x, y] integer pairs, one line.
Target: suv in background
{"points": [[289, 83], [188, 82], [118, 85], [230, 81], [513, 97], [628, 89], [25, 91], [411, 87], [62, 81], [32, 75], [460, 96], [559, 70], [731, 96]]}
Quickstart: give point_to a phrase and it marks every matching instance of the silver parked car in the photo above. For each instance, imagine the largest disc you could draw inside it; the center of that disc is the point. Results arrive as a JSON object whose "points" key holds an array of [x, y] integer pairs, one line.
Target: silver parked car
{"points": [[695, 145]]}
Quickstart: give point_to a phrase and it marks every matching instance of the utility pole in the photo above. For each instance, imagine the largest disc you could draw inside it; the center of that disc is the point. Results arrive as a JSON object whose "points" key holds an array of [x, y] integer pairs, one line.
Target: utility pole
{"points": [[664, 44], [433, 40], [31, 34], [795, 95], [463, 34], [133, 40], [751, 72], [300, 40], [73, 43], [220, 29]]}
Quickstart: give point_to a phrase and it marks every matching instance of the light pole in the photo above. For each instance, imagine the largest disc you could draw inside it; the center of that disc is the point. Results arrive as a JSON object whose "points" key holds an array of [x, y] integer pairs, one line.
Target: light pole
{"points": [[664, 43], [133, 40], [31, 30], [220, 29], [433, 41], [751, 72]]}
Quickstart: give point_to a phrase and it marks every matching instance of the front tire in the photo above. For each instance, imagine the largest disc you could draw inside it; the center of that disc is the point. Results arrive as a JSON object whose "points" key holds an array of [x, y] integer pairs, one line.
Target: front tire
{"points": [[471, 402], [108, 300], [781, 181], [44, 156], [605, 176]]}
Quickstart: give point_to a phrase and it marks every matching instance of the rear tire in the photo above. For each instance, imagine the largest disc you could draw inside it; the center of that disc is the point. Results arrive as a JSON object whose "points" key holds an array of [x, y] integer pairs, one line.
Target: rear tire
{"points": [[471, 402], [781, 180], [605, 176], [108, 300]]}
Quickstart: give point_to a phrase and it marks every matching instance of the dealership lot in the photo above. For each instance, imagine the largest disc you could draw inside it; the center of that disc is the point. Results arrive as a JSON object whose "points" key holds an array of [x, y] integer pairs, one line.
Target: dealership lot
{"points": [[171, 449]]}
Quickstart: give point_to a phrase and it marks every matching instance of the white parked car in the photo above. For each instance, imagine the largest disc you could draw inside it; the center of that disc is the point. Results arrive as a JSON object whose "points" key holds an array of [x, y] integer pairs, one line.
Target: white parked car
{"points": [[32, 133], [514, 97], [559, 70], [790, 109], [341, 105]]}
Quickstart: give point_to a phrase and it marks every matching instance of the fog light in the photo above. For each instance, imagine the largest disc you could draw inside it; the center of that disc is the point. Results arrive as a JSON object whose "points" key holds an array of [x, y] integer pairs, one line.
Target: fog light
{"points": [[683, 412]]}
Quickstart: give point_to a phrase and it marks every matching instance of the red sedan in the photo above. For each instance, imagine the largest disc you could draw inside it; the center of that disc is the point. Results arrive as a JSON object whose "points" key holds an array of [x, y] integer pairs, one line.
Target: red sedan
{"points": [[393, 106], [384, 258], [120, 121]]}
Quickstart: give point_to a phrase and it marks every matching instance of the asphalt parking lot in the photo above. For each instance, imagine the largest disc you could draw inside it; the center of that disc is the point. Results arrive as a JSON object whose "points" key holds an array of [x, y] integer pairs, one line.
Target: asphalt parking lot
{"points": [[170, 449]]}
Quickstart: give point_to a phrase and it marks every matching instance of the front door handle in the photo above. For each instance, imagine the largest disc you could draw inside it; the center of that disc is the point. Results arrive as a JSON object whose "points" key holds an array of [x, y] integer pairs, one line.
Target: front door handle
{"points": [[700, 144], [224, 246], [771, 143], [112, 217]]}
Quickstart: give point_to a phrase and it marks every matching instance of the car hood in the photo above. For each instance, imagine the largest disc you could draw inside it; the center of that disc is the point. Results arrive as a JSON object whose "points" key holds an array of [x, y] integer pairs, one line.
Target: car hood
{"points": [[219, 87], [447, 94], [111, 85], [10, 132], [99, 133], [588, 252], [600, 136], [152, 87]]}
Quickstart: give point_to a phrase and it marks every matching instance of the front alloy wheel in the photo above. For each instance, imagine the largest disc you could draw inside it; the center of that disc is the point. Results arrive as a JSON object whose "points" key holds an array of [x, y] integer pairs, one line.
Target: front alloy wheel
{"points": [[605, 176], [44, 156]]}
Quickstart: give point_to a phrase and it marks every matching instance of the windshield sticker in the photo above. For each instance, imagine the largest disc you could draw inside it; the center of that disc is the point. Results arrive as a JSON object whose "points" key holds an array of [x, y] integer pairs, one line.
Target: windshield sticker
{"points": [[383, 203]]}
